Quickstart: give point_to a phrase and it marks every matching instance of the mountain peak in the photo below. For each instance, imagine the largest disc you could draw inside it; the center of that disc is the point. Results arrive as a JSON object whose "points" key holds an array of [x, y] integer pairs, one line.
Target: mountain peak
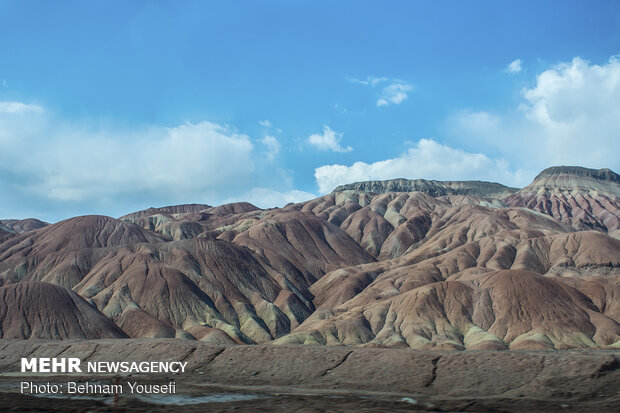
{"points": [[434, 188], [576, 178], [604, 174], [581, 197]]}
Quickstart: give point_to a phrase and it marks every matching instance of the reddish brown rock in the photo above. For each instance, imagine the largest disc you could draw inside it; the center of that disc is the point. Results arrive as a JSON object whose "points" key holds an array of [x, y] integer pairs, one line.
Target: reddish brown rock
{"points": [[584, 198], [446, 265], [38, 310]]}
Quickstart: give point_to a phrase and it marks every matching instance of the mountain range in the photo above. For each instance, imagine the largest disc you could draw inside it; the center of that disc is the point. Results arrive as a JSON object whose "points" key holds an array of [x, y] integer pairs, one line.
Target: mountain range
{"points": [[399, 263]]}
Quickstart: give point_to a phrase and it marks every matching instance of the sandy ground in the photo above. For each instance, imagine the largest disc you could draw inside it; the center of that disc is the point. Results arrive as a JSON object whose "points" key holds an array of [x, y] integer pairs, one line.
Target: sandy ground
{"points": [[324, 379]]}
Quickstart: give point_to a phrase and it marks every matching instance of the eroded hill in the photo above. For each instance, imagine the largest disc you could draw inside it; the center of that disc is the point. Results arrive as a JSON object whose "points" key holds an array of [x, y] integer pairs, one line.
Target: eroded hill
{"points": [[420, 264]]}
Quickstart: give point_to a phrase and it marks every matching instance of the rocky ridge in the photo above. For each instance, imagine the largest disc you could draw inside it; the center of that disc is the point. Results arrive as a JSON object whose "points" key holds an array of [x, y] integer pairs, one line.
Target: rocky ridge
{"points": [[479, 189], [584, 198]]}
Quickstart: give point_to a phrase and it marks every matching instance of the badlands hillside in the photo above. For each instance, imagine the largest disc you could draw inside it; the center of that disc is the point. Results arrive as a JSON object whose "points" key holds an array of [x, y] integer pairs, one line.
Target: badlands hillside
{"points": [[400, 263]]}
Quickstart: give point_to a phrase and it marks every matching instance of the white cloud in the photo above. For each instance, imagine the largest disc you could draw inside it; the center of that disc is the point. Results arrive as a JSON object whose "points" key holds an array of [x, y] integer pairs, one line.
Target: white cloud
{"points": [[273, 146], [395, 93], [427, 160], [266, 123], [328, 140], [270, 198], [18, 107], [199, 159], [514, 67], [568, 117], [46, 163]]}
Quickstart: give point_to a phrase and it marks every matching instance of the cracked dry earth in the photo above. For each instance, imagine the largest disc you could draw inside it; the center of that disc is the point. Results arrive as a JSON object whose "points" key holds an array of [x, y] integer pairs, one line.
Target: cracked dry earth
{"points": [[338, 379]]}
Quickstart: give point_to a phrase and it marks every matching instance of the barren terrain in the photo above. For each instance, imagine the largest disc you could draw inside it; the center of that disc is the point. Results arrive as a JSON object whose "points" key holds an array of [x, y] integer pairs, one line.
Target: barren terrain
{"points": [[356, 299], [313, 379]]}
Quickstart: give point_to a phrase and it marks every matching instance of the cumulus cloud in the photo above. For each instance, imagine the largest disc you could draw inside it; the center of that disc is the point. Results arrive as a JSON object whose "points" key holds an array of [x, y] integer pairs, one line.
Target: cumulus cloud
{"points": [[395, 93], [514, 67], [188, 159], [428, 159], [47, 163], [273, 146], [568, 117], [266, 123], [18, 107], [329, 140]]}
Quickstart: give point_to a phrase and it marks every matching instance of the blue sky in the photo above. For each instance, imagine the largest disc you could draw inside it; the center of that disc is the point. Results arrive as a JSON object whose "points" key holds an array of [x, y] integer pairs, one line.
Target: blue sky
{"points": [[108, 107]]}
